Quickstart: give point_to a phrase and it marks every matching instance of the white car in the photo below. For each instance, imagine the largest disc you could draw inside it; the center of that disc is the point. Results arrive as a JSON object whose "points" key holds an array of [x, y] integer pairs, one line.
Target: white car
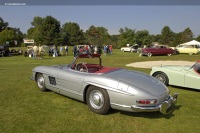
{"points": [[128, 49]]}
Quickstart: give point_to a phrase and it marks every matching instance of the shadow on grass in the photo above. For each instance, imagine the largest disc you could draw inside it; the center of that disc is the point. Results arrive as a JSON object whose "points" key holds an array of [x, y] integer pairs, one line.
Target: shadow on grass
{"points": [[45, 58], [184, 88], [15, 55], [150, 115]]}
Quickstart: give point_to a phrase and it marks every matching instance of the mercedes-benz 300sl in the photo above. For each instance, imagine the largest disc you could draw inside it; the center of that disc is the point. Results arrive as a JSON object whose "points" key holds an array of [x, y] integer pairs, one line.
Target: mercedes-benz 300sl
{"points": [[103, 88]]}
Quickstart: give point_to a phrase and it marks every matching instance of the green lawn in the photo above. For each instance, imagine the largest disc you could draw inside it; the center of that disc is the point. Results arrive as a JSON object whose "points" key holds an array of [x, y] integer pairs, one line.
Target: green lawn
{"points": [[24, 108]]}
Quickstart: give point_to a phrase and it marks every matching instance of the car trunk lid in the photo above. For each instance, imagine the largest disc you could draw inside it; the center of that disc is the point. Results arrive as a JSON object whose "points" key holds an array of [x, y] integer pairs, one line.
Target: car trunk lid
{"points": [[142, 81]]}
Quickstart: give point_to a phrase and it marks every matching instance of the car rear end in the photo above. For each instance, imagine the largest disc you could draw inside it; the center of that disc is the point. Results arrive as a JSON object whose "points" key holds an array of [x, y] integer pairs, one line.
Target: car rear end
{"points": [[142, 93]]}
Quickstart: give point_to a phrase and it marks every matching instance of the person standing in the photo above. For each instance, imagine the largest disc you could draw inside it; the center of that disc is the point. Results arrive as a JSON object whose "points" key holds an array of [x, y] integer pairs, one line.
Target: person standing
{"points": [[99, 50], [40, 52], [104, 49], [110, 49], [55, 50], [95, 49], [35, 51], [75, 50], [61, 50], [86, 49], [66, 50]]}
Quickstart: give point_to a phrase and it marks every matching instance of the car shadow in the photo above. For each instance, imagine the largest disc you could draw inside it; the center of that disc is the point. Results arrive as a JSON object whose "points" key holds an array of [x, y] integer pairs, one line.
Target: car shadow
{"points": [[184, 88], [47, 58], [15, 54], [150, 115]]}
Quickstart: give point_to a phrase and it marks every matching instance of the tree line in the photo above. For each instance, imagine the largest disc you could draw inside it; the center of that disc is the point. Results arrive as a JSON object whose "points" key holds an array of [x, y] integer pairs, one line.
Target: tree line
{"points": [[48, 31]]}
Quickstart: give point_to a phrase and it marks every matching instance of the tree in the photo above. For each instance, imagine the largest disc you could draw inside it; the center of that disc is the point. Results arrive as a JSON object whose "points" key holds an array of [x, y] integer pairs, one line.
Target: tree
{"points": [[114, 39], [3, 25], [143, 37], [7, 35], [166, 36], [127, 36], [19, 36], [156, 38], [186, 35], [97, 35], [72, 34], [45, 31], [198, 38], [37, 21], [50, 31]]}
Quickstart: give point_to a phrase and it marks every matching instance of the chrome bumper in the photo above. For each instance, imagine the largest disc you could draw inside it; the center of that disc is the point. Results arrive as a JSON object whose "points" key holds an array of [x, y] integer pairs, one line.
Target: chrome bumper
{"points": [[162, 107]]}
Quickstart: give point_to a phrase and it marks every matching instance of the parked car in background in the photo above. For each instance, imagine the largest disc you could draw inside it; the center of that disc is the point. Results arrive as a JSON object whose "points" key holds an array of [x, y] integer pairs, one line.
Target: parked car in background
{"points": [[17, 52], [29, 51], [103, 88], [129, 49], [187, 49], [4, 50], [184, 76], [157, 50]]}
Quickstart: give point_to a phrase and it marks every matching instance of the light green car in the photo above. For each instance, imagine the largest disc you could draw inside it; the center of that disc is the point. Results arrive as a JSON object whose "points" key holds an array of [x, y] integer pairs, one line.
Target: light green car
{"points": [[184, 76]]}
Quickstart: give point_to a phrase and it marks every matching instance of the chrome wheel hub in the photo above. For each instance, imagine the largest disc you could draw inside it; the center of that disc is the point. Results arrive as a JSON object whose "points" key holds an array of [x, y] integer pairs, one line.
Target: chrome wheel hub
{"points": [[96, 99], [161, 78], [40, 82]]}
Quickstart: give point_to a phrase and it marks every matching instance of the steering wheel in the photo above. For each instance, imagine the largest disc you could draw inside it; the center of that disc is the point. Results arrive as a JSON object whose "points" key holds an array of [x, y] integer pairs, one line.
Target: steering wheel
{"points": [[80, 66]]}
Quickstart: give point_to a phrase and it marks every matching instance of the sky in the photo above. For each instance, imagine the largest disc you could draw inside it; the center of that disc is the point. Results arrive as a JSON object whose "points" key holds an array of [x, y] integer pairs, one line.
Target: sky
{"points": [[113, 17]]}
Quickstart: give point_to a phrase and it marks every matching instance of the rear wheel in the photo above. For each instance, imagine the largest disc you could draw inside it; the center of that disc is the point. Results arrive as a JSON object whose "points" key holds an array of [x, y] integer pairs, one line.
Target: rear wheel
{"points": [[149, 54], [41, 82], [98, 100], [162, 77]]}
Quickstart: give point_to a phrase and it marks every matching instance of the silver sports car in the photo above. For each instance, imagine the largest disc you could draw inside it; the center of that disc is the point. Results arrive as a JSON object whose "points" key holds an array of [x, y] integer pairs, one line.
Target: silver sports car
{"points": [[103, 88]]}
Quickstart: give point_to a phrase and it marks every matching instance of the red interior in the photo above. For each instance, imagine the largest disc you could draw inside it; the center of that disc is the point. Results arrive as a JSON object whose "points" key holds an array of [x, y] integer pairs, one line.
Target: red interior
{"points": [[95, 68], [106, 69]]}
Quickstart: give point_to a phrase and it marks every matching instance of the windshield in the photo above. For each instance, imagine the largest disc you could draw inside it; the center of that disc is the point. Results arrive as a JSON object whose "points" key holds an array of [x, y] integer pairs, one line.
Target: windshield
{"points": [[87, 63], [196, 67]]}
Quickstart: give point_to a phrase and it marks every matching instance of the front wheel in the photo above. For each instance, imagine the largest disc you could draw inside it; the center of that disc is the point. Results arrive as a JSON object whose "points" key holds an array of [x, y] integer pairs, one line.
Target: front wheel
{"points": [[169, 54], [41, 82], [98, 100], [162, 77]]}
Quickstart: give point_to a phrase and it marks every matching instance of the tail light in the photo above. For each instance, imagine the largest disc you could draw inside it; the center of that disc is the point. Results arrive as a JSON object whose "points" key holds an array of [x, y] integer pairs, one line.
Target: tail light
{"points": [[146, 101]]}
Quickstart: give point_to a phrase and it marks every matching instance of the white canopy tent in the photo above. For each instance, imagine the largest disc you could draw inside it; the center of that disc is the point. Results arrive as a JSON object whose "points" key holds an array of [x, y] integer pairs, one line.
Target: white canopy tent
{"points": [[193, 42]]}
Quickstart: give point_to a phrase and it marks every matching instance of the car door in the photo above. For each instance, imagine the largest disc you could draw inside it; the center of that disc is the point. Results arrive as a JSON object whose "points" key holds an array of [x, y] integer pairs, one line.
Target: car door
{"points": [[192, 79], [71, 80], [165, 50], [176, 77], [156, 51]]}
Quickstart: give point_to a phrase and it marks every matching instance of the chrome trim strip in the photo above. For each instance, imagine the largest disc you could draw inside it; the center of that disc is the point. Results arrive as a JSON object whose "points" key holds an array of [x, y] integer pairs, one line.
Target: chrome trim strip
{"points": [[109, 88], [124, 106]]}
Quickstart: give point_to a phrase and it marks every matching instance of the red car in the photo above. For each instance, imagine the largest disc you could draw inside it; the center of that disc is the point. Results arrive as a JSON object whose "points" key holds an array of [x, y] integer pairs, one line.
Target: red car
{"points": [[157, 50]]}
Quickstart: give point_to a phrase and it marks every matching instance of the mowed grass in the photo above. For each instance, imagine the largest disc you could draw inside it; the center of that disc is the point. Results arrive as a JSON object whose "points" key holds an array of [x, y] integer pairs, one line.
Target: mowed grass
{"points": [[24, 108]]}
